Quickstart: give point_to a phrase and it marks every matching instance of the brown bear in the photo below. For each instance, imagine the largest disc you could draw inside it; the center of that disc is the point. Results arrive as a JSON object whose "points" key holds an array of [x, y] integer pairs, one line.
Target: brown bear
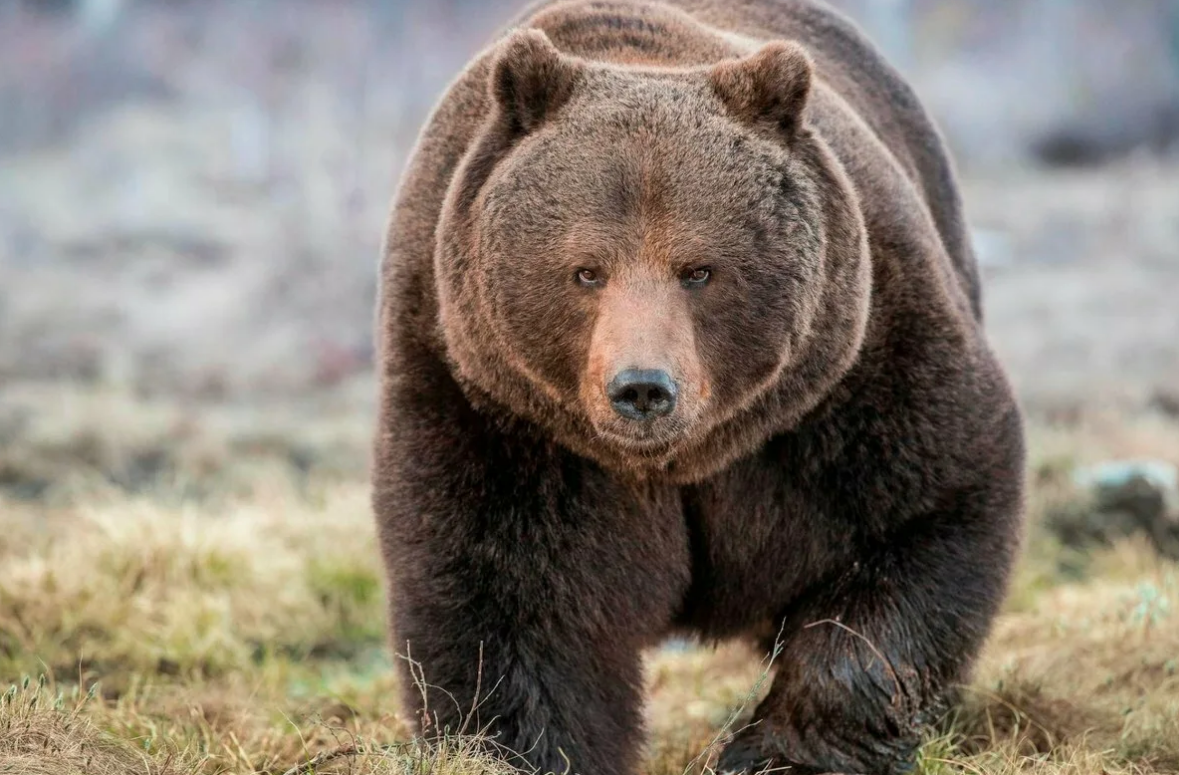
{"points": [[680, 332]]}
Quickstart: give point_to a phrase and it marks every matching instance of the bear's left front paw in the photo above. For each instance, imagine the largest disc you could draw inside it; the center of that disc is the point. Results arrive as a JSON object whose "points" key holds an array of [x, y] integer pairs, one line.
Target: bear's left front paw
{"points": [[746, 757], [752, 753]]}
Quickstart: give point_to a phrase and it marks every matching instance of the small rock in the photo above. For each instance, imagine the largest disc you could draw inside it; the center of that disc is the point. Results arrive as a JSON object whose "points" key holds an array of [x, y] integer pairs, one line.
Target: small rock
{"points": [[1166, 402], [1112, 480], [1128, 497]]}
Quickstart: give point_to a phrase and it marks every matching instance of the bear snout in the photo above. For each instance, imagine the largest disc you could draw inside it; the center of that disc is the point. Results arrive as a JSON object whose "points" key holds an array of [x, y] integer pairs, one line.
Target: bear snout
{"points": [[642, 394]]}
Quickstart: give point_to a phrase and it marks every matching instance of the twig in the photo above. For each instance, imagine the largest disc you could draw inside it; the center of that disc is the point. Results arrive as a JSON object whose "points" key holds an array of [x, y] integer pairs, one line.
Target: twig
{"points": [[726, 730], [883, 660], [326, 756]]}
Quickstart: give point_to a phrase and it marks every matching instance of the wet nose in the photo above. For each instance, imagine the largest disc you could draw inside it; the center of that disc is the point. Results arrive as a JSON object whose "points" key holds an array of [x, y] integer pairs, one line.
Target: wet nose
{"points": [[642, 394]]}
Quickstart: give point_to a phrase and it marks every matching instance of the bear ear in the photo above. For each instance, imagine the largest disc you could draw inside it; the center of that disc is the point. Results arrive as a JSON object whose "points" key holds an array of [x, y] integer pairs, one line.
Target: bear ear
{"points": [[530, 79], [769, 87]]}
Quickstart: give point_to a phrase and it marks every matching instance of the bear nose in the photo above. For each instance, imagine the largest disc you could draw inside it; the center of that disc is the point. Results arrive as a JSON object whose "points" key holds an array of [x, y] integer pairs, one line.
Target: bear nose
{"points": [[642, 394]]}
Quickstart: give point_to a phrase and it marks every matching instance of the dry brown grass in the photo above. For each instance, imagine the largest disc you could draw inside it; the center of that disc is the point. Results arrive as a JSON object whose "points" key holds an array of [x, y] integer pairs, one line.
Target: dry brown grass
{"points": [[241, 631], [41, 734], [124, 587]]}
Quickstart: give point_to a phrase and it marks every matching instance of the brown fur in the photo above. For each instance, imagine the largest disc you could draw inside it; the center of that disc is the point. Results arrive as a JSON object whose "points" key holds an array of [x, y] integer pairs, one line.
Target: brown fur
{"points": [[844, 456]]}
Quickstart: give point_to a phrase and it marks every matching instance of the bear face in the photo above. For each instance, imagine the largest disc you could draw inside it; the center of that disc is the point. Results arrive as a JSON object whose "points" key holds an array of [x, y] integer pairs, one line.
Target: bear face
{"points": [[640, 260]]}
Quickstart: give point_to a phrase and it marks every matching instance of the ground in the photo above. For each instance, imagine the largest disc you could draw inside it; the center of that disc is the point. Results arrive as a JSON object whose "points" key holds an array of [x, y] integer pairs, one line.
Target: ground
{"points": [[195, 588]]}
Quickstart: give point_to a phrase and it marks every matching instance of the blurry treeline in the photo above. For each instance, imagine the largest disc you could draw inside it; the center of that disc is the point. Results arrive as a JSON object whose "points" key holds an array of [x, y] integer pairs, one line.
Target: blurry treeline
{"points": [[192, 191], [1060, 80]]}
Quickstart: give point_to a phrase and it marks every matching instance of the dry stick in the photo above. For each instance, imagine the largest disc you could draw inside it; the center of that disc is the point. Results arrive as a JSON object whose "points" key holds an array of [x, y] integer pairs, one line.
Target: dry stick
{"points": [[418, 673], [353, 750], [326, 756], [761, 680], [725, 729], [887, 664], [475, 702]]}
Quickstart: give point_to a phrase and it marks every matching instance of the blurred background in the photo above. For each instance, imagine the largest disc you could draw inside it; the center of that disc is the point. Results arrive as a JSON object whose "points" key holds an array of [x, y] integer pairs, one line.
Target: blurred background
{"points": [[192, 192]]}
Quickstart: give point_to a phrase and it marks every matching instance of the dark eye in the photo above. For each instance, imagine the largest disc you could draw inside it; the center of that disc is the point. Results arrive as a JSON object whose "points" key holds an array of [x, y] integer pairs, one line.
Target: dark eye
{"points": [[698, 276], [588, 277]]}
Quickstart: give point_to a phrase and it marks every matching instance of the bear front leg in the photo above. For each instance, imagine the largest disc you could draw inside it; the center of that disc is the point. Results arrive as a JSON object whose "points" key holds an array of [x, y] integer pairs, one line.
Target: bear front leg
{"points": [[543, 695], [869, 656], [524, 582]]}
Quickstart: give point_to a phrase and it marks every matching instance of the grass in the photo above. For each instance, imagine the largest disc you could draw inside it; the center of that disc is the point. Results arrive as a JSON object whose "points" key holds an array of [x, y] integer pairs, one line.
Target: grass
{"points": [[151, 626]]}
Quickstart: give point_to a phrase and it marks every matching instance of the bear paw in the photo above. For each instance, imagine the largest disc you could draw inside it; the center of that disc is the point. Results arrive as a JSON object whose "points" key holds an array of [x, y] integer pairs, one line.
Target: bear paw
{"points": [[748, 757]]}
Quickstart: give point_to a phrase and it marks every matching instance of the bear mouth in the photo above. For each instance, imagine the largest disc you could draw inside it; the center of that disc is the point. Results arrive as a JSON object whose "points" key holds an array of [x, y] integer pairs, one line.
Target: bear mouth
{"points": [[646, 441]]}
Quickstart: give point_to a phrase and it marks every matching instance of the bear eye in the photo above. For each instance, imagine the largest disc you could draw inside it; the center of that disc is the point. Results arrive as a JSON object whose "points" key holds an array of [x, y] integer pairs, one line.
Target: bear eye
{"points": [[588, 277], [698, 276]]}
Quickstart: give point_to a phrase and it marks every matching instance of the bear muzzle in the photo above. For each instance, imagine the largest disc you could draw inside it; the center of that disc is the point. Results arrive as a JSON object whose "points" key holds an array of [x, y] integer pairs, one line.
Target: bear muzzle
{"points": [[642, 394]]}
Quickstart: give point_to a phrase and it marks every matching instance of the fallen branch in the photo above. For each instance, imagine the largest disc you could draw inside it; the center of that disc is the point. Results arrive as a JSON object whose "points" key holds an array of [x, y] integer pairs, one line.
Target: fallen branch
{"points": [[324, 757]]}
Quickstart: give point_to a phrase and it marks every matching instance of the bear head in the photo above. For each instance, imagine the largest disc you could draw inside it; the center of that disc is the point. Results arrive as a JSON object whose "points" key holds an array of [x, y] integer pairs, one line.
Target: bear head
{"points": [[658, 267]]}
